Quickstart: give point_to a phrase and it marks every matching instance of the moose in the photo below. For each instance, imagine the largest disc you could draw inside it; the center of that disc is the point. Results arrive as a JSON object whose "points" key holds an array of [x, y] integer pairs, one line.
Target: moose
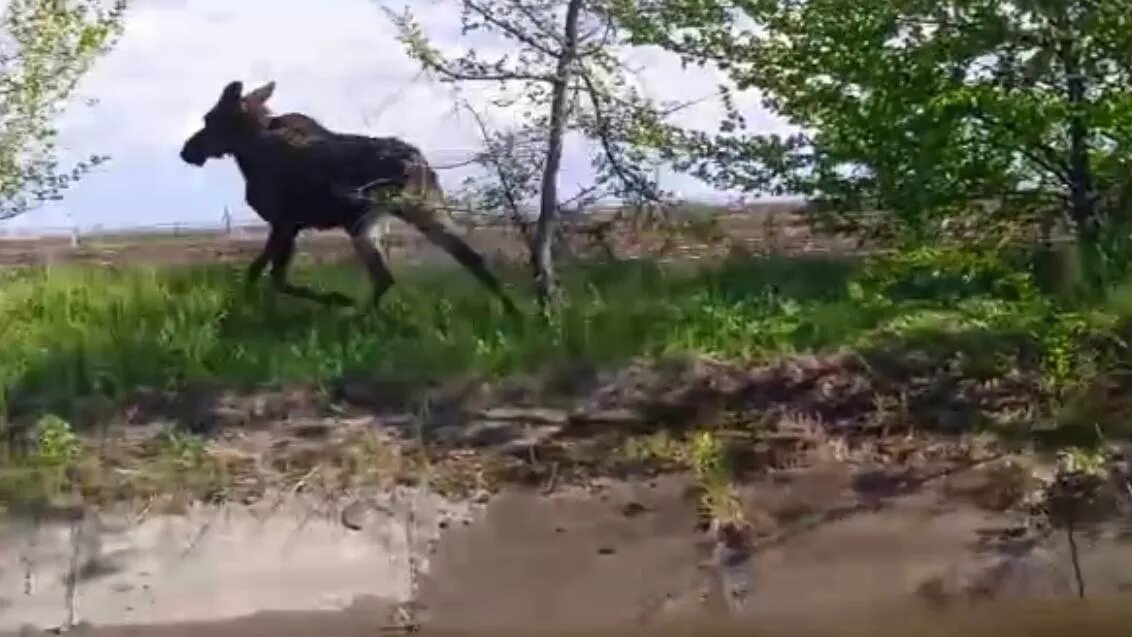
{"points": [[300, 175]]}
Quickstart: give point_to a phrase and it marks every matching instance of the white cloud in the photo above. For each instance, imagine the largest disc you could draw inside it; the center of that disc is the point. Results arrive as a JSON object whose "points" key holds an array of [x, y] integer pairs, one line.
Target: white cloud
{"points": [[337, 60]]}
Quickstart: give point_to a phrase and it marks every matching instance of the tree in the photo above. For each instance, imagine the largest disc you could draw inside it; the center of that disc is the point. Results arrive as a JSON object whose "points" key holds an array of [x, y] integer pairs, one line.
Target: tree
{"points": [[918, 107], [566, 76], [46, 46]]}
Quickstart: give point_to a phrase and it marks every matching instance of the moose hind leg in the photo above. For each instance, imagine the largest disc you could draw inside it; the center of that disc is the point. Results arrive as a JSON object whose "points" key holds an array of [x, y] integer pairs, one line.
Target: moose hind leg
{"points": [[367, 237], [426, 219]]}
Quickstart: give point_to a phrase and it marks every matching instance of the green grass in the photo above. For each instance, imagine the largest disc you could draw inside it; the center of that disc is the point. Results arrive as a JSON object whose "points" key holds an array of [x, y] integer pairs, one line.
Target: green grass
{"points": [[69, 333]]}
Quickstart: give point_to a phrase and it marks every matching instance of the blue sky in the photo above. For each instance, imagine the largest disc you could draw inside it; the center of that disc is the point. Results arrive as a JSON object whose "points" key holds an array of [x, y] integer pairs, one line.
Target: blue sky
{"points": [[336, 60]]}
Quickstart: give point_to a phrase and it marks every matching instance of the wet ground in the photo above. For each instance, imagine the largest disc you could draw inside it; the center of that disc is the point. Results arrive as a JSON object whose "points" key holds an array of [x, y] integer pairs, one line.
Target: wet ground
{"points": [[892, 525], [1097, 618], [628, 555], [215, 563]]}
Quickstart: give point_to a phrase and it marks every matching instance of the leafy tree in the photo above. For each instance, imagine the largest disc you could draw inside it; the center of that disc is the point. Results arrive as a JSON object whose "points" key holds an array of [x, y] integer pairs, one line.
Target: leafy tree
{"points": [[567, 77], [46, 46], [918, 108]]}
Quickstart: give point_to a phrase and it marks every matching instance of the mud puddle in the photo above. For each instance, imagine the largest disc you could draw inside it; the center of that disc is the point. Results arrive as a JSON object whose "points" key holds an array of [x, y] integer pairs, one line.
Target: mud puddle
{"points": [[1097, 618], [211, 563]]}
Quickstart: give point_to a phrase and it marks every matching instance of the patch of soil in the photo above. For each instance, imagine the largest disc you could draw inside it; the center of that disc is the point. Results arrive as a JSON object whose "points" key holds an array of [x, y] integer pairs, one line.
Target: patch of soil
{"points": [[769, 413], [573, 422]]}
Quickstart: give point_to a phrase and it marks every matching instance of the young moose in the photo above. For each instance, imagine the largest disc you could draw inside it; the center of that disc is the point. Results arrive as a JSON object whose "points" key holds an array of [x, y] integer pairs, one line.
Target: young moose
{"points": [[300, 175]]}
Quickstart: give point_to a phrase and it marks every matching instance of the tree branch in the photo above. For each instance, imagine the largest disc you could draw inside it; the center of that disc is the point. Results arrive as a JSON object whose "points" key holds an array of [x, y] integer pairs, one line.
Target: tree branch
{"points": [[507, 76], [604, 137], [512, 31], [504, 179], [1051, 161]]}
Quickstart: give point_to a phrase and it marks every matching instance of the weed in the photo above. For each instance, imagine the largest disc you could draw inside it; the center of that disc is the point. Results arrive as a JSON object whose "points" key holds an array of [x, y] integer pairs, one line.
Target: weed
{"points": [[41, 473], [714, 476], [655, 450]]}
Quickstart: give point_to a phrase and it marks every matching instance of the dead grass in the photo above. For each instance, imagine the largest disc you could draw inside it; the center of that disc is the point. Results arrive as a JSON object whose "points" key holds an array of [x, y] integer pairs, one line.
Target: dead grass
{"points": [[726, 423]]}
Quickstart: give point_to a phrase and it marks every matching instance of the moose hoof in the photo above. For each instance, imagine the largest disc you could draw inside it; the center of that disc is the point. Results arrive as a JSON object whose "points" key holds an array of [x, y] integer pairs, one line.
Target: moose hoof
{"points": [[339, 299]]}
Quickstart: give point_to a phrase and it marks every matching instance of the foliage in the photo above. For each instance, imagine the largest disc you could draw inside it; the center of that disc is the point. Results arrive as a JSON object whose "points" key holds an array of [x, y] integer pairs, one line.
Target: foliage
{"points": [[707, 458], [55, 444], [72, 334], [74, 337], [564, 78], [944, 273], [45, 49], [919, 109], [41, 472], [709, 462], [602, 103]]}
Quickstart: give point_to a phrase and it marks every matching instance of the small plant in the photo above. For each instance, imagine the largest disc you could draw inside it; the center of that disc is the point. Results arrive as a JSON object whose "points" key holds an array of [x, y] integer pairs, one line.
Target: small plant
{"points": [[1062, 355], [709, 463], [707, 457], [184, 449], [40, 474], [945, 272], [1076, 498], [655, 449], [182, 468], [55, 443]]}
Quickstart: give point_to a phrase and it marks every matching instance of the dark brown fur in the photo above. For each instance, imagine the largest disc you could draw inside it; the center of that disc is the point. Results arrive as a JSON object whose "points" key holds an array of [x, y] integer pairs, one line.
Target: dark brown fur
{"points": [[299, 175]]}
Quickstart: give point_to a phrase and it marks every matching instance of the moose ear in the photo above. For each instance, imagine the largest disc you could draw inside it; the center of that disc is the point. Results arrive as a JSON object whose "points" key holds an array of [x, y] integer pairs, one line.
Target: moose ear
{"points": [[261, 94], [232, 92]]}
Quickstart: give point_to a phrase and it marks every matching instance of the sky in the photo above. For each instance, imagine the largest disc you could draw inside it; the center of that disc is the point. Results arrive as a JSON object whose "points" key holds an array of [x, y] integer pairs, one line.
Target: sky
{"points": [[336, 60]]}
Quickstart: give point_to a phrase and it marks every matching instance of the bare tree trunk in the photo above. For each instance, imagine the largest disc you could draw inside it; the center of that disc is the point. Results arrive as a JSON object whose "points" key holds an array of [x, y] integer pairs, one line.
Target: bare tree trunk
{"points": [[1082, 203], [542, 255]]}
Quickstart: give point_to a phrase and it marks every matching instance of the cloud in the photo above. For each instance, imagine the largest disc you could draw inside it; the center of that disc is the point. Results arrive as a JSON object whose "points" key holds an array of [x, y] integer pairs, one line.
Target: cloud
{"points": [[337, 60]]}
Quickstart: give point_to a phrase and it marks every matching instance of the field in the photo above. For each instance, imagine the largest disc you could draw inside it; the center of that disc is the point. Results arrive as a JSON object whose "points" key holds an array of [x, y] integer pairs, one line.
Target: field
{"points": [[141, 374], [771, 227]]}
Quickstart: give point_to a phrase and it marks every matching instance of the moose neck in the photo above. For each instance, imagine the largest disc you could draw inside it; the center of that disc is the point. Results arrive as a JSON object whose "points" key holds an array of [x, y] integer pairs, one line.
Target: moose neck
{"points": [[244, 164], [257, 150]]}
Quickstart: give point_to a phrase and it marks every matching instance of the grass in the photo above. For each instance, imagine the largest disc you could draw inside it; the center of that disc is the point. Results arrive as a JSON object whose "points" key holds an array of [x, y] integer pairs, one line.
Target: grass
{"points": [[72, 335], [72, 332]]}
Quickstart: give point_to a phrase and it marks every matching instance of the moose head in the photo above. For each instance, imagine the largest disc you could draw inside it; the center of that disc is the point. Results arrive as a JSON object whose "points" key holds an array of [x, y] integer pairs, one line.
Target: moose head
{"points": [[231, 120]]}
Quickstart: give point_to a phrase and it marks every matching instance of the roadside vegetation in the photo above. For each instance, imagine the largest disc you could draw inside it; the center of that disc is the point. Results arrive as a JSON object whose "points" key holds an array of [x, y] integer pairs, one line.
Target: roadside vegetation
{"points": [[81, 345]]}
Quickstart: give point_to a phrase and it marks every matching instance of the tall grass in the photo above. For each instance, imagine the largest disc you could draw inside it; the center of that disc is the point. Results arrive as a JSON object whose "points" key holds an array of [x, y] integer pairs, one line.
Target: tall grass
{"points": [[70, 332]]}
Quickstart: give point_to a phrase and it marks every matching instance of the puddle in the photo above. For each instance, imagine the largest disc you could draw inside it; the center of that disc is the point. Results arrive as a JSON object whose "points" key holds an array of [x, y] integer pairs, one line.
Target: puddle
{"points": [[616, 554], [217, 563]]}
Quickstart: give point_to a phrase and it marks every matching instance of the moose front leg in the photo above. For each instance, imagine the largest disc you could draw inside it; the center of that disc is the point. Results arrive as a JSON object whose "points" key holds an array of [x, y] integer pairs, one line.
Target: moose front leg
{"points": [[255, 270], [279, 251]]}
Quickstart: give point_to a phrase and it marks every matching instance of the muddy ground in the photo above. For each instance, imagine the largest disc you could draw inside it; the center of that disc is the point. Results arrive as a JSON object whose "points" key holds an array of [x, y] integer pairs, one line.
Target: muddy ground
{"points": [[563, 501], [1106, 619], [627, 555]]}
